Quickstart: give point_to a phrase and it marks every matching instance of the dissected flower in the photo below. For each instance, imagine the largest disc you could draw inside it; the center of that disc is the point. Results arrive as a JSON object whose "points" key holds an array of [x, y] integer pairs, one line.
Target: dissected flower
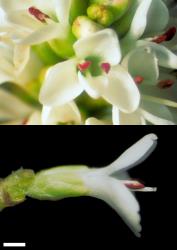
{"points": [[111, 184]]}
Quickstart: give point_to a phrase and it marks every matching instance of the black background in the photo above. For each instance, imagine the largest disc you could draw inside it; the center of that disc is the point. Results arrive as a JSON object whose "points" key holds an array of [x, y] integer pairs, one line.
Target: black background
{"points": [[87, 222]]}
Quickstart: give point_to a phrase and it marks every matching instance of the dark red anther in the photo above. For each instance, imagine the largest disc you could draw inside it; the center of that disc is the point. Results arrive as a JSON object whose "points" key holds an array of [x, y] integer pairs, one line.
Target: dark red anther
{"points": [[167, 36], [138, 79], [39, 15], [134, 185], [165, 84], [106, 67], [84, 66]]}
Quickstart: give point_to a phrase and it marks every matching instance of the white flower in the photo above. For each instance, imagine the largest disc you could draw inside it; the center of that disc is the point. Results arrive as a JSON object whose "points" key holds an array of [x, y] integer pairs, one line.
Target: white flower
{"points": [[157, 85], [113, 184], [67, 114], [95, 69], [24, 70], [13, 106], [34, 22], [143, 22]]}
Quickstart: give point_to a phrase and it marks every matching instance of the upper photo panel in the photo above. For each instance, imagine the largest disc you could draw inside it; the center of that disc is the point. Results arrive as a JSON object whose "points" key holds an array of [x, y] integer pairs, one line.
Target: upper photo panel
{"points": [[88, 62]]}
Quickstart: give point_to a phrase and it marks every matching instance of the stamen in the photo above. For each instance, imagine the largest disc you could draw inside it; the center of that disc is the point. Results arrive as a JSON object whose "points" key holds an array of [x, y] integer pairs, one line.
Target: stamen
{"points": [[137, 186], [138, 79], [134, 184], [164, 84], [39, 15], [146, 189], [106, 67], [84, 66], [167, 36]]}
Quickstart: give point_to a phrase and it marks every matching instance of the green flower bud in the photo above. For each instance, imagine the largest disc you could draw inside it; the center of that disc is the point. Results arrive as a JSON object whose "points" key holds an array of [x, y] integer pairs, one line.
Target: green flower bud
{"points": [[114, 9], [14, 187], [101, 14], [83, 26], [58, 183]]}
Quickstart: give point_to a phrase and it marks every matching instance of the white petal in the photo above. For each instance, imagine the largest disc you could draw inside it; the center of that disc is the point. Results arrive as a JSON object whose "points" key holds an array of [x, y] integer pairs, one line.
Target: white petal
{"points": [[10, 5], [94, 121], [46, 33], [155, 25], [47, 7], [5, 77], [136, 65], [11, 108], [24, 19], [165, 57], [155, 119], [93, 85], [121, 91], [13, 5], [35, 119], [68, 113], [31, 71], [61, 84], [21, 57], [6, 63], [139, 22], [118, 197], [104, 44], [62, 10], [135, 118], [115, 115], [158, 110], [134, 155]]}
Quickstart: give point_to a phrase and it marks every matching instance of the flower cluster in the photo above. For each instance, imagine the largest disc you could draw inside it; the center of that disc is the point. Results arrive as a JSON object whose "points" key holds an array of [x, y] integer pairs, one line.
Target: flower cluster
{"points": [[88, 62]]}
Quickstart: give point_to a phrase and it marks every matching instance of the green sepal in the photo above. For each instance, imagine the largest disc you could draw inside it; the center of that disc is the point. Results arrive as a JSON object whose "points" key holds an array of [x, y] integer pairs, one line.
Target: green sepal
{"points": [[58, 183], [13, 188]]}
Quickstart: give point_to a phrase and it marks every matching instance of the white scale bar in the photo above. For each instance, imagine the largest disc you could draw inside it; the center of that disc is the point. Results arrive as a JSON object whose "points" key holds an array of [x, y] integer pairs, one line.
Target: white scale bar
{"points": [[14, 244]]}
